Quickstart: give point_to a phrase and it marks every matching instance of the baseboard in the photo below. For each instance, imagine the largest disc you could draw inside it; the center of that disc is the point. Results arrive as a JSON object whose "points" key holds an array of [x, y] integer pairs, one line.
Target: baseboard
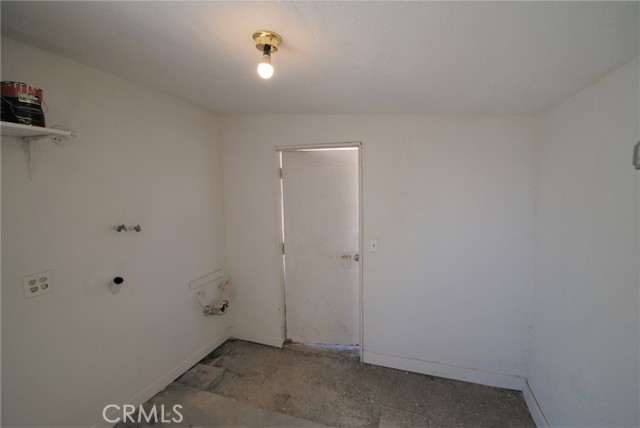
{"points": [[534, 408], [252, 336], [161, 383], [444, 370]]}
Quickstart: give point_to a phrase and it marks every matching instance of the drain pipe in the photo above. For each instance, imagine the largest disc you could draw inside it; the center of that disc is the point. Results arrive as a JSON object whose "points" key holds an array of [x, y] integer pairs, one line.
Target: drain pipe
{"points": [[220, 307]]}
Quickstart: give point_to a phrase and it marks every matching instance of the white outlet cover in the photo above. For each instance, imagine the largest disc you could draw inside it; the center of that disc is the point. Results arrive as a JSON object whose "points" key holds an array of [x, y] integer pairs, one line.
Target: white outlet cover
{"points": [[37, 284]]}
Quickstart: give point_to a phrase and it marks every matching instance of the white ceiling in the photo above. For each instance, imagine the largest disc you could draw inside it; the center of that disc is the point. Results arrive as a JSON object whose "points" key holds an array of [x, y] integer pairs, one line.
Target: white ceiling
{"points": [[343, 57]]}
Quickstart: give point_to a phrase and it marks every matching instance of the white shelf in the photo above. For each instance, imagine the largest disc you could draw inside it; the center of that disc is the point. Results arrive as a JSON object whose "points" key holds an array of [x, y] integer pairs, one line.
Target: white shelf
{"points": [[24, 131]]}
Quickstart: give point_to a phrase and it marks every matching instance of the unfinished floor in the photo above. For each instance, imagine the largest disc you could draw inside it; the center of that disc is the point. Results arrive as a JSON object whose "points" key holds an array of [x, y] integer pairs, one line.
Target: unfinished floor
{"points": [[245, 384]]}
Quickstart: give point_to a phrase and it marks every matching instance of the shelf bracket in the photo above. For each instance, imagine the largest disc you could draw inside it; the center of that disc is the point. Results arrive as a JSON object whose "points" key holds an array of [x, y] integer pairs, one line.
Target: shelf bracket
{"points": [[27, 147]]}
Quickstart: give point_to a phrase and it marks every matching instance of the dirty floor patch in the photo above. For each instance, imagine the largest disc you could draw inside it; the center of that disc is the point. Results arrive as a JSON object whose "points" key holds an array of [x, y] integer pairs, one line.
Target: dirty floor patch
{"points": [[245, 384]]}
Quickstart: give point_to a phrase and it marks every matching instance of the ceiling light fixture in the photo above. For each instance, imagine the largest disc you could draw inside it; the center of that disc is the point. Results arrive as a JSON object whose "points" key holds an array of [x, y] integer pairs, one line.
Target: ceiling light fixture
{"points": [[266, 42]]}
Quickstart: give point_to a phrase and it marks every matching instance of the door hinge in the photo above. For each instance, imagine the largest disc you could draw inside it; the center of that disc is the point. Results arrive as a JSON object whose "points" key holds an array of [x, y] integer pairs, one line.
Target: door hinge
{"points": [[280, 172], [283, 248]]}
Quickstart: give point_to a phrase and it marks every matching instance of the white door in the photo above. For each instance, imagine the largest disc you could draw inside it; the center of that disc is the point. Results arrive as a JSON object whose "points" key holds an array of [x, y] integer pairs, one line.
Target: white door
{"points": [[320, 191]]}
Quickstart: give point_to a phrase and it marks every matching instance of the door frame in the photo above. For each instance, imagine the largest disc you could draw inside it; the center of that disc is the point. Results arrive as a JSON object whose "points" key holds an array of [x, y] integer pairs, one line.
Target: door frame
{"points": [[279, 228]]}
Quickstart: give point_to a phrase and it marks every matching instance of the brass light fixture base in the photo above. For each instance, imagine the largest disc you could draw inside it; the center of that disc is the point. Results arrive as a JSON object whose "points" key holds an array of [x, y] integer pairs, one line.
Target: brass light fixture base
{"points": [[264, 37]]}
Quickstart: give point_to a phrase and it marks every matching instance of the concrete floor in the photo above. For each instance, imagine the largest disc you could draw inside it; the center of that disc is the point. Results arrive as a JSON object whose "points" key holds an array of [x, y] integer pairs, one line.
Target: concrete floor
{"points": [[245, 384]]}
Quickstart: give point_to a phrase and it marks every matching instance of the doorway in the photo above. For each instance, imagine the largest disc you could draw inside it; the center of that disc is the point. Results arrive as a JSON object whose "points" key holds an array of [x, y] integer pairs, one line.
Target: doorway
{"points": [[320, 225]]}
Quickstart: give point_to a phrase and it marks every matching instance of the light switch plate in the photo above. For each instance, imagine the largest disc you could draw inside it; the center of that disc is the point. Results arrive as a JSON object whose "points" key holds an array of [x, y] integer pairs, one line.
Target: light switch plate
{"points": [[37, 284]]}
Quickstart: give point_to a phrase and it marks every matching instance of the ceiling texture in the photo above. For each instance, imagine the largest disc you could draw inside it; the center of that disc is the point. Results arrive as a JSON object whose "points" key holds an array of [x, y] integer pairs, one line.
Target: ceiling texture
{"points": [[496, 58]]}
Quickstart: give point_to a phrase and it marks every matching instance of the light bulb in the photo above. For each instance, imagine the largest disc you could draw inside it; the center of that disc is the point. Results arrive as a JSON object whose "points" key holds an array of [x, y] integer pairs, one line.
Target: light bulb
{"points": [[265, 69]]}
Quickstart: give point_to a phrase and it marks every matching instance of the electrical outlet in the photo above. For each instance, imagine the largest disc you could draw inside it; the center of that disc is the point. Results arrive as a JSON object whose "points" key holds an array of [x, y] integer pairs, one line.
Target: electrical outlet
{"points": [[38, 284]]}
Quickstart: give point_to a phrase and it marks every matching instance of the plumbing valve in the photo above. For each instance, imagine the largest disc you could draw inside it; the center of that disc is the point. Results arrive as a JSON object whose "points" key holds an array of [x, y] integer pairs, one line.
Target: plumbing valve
{"points": [[219, 309]]}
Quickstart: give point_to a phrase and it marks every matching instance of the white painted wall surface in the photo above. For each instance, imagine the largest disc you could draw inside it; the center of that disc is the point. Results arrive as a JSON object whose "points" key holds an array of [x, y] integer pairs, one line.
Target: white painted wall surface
{"points": [[141, 157], [584, 354], [449, 200]]}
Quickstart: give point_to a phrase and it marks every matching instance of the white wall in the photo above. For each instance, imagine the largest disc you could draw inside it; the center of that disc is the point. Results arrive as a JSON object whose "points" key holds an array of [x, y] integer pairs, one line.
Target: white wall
{"points": [[448, 198], [141, 157], [584, 356]]}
